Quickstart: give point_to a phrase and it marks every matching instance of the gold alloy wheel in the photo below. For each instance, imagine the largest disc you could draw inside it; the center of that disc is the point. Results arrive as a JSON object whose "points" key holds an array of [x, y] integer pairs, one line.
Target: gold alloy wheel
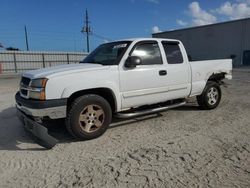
{"points": [[91, 118]]}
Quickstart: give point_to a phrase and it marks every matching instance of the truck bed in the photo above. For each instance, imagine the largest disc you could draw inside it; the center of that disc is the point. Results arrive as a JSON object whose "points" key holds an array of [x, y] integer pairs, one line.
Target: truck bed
{"points": [[202, 70]]}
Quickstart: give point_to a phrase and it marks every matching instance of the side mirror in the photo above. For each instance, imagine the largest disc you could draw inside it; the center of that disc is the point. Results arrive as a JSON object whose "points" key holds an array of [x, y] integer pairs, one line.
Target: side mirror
{"points": [[133, 61]]}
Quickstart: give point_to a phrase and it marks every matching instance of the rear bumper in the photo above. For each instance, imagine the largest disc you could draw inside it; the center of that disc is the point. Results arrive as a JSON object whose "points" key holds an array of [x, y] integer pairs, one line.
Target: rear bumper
{"points": [[39, 132], [54, 109]]}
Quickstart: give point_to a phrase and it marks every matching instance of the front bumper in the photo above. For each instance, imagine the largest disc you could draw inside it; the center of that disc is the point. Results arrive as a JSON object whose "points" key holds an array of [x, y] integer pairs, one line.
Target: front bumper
{"points": [[54, 109], [31, 112], [39, 132]]}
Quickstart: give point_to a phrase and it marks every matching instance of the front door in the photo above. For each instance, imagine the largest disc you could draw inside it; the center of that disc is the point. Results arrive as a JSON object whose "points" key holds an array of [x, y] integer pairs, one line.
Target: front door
{"points": [[246, 57], [146, 83]]}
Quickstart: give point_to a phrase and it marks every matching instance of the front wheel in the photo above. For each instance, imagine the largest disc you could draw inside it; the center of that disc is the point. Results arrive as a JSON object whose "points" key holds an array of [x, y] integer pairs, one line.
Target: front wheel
{"points": [[210, 97], [89, 117]]}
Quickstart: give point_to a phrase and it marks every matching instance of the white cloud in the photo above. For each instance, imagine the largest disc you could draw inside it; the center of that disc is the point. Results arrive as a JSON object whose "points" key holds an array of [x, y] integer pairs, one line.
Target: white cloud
{"points": [[200, 16], [156, 29], [243, 1], [238, 10], [229, 10], [225, 9], [181, 23]]}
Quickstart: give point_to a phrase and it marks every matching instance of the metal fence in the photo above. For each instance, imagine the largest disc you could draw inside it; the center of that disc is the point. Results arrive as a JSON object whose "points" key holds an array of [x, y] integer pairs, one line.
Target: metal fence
{"points": [[21, 61]]}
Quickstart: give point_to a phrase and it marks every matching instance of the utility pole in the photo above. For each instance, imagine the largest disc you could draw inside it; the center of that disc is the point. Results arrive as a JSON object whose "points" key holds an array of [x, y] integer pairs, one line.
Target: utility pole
{"points": [[26, 38], [86, 29]]}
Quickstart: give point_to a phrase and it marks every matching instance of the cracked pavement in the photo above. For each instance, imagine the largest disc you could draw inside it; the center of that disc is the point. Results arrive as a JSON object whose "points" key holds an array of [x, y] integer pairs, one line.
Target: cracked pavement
{"points": [[183, 147]]}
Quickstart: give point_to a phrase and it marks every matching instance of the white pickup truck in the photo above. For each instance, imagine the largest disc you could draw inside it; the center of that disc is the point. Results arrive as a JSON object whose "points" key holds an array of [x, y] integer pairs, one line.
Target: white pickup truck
{"points": [[125, 78]]}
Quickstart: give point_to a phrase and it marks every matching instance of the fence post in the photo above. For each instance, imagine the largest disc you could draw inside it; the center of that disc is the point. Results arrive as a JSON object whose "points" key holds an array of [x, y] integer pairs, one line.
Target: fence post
{"points": [[14, 55], [67, 58], [43, 61]]}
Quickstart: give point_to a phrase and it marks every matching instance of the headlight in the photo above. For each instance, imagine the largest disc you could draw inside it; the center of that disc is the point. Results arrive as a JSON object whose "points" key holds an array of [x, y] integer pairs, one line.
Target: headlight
{"points": [[37, 89], [39, 83]]}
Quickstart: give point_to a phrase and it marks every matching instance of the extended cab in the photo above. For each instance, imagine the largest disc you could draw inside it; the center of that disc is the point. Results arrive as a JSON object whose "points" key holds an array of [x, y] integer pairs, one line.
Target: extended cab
{"points": [[124, 78]]}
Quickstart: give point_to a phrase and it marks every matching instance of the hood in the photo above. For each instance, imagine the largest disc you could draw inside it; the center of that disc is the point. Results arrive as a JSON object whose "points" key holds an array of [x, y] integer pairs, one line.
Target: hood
{"points": [[63, 69]]}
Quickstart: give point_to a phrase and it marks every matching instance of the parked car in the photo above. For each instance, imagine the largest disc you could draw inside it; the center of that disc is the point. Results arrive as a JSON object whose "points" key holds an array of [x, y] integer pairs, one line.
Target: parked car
{"points": [[126, 78]]}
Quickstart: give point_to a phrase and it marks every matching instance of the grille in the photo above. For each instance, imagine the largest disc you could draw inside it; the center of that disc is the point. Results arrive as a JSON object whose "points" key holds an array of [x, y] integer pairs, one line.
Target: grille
{"points": [[25, 81], [24, 92], [23, 86]]}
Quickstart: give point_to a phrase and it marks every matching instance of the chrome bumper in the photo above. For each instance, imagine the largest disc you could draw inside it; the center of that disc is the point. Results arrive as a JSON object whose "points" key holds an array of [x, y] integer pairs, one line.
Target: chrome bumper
{"points": [[54, 109], [52, 113]]}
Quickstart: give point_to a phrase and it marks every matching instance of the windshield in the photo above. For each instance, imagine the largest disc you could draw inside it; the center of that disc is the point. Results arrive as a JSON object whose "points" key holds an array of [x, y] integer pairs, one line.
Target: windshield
{"points": [[107, 54]]}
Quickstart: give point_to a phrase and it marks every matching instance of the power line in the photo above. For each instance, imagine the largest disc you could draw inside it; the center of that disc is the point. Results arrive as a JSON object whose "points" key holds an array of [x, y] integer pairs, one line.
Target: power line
{"points": [[42, 33], [48, 35], [101, 37]]}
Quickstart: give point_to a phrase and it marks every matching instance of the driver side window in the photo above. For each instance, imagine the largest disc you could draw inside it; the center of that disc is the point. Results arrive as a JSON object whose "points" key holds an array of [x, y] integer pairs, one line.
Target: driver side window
{"points": [[149, 53]]}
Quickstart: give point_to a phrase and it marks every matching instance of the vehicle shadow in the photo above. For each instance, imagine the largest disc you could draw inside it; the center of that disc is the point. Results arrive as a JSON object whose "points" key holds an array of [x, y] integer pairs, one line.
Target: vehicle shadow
{"points": [[13, 136], [58, 129], [122, 122], [188, 107], [12, 133]]}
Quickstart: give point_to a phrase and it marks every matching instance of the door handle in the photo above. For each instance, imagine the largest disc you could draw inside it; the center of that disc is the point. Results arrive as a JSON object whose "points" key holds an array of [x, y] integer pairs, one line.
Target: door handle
{"points": [[162, 72]]}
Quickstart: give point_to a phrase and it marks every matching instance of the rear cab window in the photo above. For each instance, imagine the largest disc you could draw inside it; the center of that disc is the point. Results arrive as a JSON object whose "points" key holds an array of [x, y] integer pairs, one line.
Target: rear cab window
{"points": [[173, 52]]}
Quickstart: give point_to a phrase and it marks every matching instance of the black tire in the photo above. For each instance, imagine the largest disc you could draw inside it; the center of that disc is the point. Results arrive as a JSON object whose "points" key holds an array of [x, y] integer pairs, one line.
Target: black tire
{"points": [[83, 117], [210, 97]]}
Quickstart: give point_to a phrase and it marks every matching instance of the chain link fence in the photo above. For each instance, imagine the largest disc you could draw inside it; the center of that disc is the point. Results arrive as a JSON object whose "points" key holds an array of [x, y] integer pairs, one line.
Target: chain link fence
{"points": [[21, 61]]}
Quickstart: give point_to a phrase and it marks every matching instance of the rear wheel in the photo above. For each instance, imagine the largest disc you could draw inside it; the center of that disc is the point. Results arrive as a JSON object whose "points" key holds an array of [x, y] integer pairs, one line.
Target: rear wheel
{"points": [[210, 97], [89, 117]]}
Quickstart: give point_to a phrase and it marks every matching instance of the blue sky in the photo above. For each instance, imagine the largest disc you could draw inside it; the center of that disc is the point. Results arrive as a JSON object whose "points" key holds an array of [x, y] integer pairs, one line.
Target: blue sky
{"points": [[56, 24]]}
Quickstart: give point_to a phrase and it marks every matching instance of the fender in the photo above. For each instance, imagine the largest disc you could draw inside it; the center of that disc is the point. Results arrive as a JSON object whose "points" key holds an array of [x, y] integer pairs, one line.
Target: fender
{"points": [[69, 91]]}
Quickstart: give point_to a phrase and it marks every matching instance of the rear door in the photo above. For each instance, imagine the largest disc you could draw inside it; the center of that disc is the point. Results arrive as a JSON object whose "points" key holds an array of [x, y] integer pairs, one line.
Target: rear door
{"points": [[178, 70]]}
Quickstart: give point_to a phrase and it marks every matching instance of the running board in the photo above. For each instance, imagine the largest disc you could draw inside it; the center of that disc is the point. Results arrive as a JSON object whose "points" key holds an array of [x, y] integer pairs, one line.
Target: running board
{"points": [[148, 111]]}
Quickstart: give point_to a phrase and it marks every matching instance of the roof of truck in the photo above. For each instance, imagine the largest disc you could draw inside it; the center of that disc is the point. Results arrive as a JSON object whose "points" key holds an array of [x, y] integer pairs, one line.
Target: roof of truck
{"points": [[142, 39]]}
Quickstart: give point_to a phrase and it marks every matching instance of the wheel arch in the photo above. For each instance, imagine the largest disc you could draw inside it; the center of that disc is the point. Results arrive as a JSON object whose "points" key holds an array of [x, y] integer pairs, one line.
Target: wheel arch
{"points": [[216, 77], [106, 93]]}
